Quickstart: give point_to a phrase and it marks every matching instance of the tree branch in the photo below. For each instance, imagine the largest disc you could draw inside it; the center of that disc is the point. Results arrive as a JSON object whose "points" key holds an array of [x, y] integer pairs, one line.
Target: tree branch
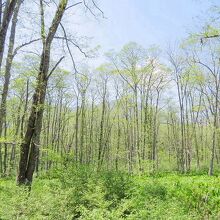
{"points": [[78, 3], [54, 68], [24, 44], [75, 44], [67, 44]]}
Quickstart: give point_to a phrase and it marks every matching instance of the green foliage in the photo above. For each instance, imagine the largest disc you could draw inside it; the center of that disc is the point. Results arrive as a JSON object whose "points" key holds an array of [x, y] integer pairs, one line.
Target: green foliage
{"points": [[8, 139], [194, 76], [211, 31], [52, 156], [117, 185], [192, 40], [78, 192]]}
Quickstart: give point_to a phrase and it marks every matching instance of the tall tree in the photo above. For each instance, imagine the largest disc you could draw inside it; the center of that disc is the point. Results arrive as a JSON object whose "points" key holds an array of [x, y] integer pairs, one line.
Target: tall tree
{"points": [[29, 151], [5, 21], [8, 66]]}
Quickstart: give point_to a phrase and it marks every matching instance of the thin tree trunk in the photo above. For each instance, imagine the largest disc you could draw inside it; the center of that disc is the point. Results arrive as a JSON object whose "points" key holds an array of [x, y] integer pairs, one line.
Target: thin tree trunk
{"points": [[9, 60], [8, 12]]}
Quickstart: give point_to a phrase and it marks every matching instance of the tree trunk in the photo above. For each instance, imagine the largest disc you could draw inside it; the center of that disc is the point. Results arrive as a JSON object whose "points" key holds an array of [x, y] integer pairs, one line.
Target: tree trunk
{"points": [[28, 157], [9, 9], [9, 60]]}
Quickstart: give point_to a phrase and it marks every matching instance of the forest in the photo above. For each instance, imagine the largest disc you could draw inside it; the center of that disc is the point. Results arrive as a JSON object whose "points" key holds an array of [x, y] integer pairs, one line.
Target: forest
{"points": [[128, 133]]}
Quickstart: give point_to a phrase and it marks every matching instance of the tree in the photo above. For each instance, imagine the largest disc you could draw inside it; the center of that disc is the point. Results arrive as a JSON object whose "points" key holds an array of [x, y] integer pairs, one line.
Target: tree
{"points": [[30, 145], [5, 21], [8, 65]]}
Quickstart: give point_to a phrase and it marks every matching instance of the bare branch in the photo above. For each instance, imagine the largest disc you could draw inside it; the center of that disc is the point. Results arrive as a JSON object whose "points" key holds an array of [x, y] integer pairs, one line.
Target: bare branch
{"points": [[54, 68], [98, 8], [75, 44], [25, 44], [67, 44], [78, 3]]}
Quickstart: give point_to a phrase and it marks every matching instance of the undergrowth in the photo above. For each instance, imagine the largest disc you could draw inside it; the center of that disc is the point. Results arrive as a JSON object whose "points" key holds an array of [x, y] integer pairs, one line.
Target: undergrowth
{"points": [[81, 193]]}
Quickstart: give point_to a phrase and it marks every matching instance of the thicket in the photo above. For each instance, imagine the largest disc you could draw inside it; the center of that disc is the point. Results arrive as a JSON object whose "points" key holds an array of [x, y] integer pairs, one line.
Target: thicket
{"points": [[81, 193]]}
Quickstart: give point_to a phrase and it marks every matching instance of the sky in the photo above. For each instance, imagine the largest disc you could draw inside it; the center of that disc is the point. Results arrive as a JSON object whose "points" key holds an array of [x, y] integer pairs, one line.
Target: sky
{"points": [[146, 22]]}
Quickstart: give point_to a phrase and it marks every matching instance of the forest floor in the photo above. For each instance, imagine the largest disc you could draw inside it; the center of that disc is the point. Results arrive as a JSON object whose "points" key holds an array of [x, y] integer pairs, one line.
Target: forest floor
{"points": [[80, 194]]}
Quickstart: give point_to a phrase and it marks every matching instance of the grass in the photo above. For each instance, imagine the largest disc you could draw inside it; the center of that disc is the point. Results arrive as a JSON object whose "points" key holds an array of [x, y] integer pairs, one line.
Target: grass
{"points": [[82, 194]]}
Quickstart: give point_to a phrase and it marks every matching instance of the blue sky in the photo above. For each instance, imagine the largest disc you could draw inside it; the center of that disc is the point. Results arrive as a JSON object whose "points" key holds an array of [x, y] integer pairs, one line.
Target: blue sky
{"points": [[146, 22]]}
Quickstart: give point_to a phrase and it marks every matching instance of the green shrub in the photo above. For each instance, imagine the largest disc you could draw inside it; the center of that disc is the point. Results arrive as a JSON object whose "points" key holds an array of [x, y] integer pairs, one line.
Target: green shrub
{"points": [[117, 185], [81, 193]]}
